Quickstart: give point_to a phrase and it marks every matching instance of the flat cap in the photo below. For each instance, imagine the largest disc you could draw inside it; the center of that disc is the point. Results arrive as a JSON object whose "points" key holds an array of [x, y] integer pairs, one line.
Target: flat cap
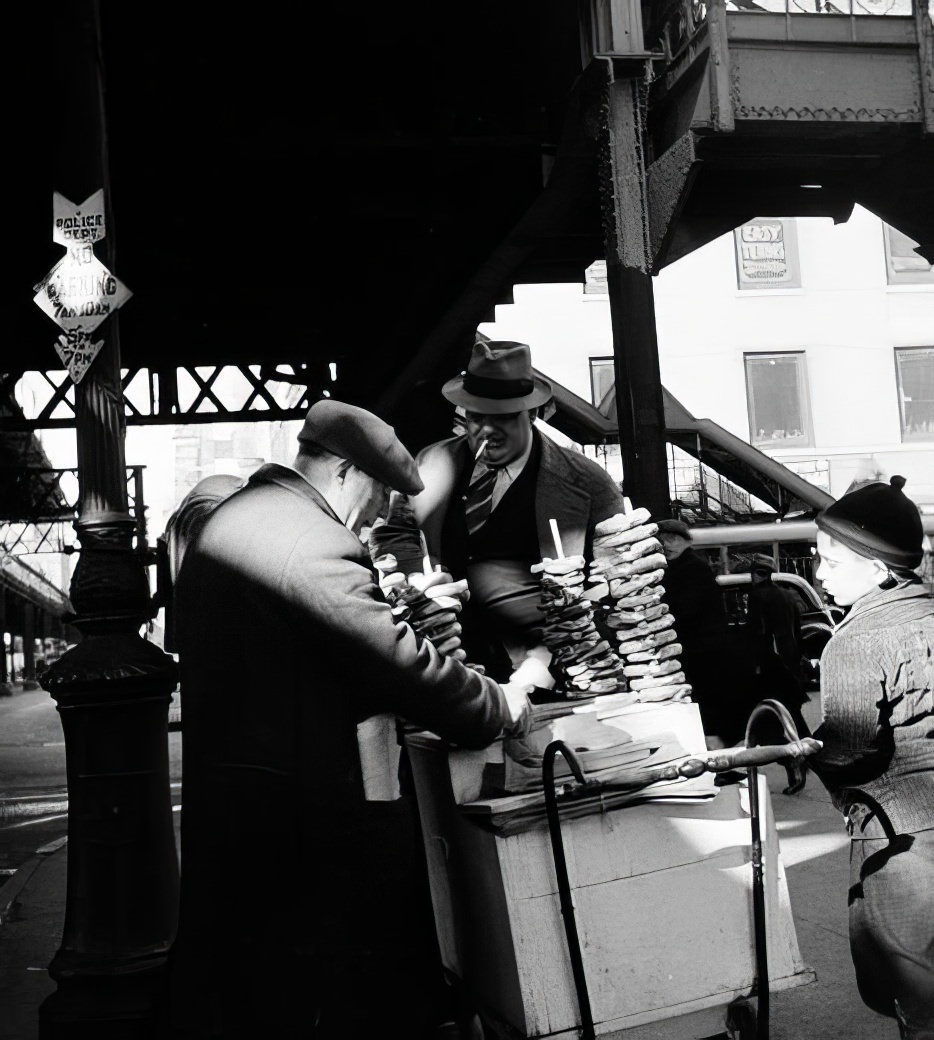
{"points": [[674, 527], [364, 439], [761, 562]]}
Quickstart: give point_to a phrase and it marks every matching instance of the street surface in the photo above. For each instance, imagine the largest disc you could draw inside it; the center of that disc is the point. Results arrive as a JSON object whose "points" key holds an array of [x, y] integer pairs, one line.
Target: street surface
{"points": [[33, 786], [32, 814]]}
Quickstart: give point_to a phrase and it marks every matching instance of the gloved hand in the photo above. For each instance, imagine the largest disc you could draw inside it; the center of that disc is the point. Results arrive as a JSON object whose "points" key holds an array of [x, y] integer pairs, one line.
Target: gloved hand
{"points": [[397, 534], [430, 604]]}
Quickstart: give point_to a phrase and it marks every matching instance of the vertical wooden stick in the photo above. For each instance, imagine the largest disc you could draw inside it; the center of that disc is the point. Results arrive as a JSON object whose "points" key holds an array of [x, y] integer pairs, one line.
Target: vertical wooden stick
{"points": [[426, 559], [556, 535]]}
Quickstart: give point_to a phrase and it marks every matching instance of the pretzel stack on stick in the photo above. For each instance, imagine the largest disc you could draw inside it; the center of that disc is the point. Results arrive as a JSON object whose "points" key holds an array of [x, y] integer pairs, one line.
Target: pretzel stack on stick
{"points": [[393, 540], [584, 661], [629, 558]]}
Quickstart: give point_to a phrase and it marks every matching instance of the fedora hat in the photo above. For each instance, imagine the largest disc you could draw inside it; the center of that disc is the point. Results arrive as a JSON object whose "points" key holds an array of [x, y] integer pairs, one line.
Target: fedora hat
{"points": [[499, 380]]}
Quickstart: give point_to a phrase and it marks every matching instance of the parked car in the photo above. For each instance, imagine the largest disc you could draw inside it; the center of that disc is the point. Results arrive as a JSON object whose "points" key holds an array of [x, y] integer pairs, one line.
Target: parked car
{"points": [[817, 619]]}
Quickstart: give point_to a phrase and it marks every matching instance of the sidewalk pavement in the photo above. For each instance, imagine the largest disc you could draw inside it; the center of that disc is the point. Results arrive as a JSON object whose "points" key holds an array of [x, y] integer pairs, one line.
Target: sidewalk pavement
{"points": [[814, 853]]}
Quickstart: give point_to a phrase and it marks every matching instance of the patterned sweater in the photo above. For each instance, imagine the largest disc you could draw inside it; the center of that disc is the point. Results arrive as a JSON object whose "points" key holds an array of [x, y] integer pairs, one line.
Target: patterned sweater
{"points": [[877, 703]]}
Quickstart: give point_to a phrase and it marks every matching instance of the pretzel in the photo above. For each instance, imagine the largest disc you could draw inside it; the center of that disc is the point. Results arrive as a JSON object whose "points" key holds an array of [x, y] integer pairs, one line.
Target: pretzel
{"points": [[619, 618], [681, 692], [620, 588], [649, 682], [621, 522], [610, 570], [652, 668], [659, 653], [646, 642]]}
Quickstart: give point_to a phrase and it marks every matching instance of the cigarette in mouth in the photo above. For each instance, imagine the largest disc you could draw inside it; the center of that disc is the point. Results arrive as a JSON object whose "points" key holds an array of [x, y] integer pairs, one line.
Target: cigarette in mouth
{"points": [[480, 451]]}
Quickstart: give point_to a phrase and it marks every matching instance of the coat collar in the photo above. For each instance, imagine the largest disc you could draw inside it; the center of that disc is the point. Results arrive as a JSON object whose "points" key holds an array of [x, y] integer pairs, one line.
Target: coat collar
{"points": [[292, 481], [880, 599]]}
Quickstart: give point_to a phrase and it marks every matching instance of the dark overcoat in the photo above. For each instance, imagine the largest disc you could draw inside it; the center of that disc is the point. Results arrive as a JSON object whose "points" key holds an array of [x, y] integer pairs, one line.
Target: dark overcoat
{"points": [[289, 877]]}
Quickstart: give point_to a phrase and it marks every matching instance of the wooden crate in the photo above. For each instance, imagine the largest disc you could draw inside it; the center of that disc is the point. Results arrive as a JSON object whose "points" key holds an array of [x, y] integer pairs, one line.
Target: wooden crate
{"points": [[663, 902]]}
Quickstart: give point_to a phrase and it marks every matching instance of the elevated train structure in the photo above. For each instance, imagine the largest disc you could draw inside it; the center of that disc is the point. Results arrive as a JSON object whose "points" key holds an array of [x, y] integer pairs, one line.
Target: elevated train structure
{"points": [[329, 199]]}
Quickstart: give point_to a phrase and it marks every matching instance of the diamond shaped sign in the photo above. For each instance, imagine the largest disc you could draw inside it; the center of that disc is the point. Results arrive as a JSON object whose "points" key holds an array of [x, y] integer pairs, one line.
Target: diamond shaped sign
{"points": [[79, 292], [77, 351]]}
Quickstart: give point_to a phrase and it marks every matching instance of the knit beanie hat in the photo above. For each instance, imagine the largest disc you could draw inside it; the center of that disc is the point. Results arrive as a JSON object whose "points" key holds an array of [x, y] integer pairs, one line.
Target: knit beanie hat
{"points": [[879, 522]]}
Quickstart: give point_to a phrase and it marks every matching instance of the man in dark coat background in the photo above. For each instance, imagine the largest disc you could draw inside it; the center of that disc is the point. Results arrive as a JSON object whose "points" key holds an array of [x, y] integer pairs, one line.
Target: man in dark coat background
{"points": [[286, 643], [708, 657], [774, 623]]}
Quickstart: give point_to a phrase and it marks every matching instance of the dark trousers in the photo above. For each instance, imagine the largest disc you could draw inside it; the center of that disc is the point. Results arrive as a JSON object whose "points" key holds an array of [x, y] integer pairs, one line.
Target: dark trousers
{"points": [[892, 923]]}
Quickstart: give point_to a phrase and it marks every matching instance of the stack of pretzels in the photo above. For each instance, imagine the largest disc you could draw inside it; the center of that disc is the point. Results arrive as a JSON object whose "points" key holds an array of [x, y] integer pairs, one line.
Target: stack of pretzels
{"points": [[629, 558], [396, 548], [583, 661]]}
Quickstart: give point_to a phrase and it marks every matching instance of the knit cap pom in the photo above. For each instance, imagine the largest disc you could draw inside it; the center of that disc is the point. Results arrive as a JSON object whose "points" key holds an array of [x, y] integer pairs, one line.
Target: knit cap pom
{"points": [[877, 521]]}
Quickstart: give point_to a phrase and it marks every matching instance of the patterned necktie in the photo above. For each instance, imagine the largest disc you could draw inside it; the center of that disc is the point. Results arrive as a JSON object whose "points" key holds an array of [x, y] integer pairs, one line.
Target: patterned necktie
{"points": [[479, 501]]}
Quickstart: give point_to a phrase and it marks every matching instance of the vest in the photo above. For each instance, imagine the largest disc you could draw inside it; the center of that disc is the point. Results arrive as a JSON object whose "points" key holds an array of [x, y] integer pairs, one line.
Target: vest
{"points": [[497, 560]]}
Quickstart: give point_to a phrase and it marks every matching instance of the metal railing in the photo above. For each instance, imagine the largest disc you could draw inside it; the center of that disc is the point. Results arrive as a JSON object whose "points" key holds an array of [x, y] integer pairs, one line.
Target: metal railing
{"points": [[898, 8]]}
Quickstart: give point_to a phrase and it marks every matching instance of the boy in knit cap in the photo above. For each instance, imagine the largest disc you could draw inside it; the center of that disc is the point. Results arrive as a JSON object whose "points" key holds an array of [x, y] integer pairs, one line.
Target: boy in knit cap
{"points": [[877, 704]]}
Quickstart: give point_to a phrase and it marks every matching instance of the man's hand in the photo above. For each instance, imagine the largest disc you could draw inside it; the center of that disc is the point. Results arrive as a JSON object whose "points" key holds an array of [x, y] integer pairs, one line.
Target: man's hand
{"points": [[533, 670], [442, 588]]}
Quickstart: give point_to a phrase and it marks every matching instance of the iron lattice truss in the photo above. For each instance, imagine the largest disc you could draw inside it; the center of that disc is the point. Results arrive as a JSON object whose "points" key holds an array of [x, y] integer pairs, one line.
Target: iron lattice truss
{"points": [[190, 394], [48, 508]]}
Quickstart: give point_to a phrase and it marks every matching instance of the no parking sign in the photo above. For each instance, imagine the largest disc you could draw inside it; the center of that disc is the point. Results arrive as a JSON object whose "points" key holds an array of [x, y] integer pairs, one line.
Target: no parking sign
{"points": [[79, 292]]}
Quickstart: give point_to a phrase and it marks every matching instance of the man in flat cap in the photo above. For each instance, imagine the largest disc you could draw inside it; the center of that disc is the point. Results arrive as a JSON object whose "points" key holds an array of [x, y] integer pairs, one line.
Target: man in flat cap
{"points": [[289, 876], [490, 495]]}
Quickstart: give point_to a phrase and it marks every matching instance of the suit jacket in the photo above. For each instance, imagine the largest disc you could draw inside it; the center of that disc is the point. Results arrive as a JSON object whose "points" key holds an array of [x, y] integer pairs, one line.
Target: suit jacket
{"points": [[285, 644], [570, 489]]}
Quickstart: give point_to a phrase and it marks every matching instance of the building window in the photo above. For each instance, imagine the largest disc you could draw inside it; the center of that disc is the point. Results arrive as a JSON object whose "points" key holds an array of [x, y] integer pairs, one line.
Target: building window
{"points": [[602, 381], [903, 264], [777, 395], [767, 254], [915, 369]]}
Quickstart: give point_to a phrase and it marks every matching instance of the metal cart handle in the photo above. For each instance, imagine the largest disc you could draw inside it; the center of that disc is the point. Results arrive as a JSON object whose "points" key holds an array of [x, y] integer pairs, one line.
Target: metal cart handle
{"points": [[561, 870], [761, 985]]}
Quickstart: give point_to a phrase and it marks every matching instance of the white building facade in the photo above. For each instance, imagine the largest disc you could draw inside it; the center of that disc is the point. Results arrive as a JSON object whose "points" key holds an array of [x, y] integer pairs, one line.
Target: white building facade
{"points": [[812, 341]]}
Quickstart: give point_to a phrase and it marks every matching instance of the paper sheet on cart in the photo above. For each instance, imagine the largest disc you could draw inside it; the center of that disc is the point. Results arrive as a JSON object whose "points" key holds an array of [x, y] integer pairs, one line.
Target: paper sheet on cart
{"points": [[595, 745]]}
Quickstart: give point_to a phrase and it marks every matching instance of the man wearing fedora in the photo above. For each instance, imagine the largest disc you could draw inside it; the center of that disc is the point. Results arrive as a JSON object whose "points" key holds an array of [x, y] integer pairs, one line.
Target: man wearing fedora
{"points": [[490, 496]]}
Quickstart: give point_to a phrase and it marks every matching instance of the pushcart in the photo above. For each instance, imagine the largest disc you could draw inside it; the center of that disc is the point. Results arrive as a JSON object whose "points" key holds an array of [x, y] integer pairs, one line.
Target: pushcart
{"points": [[673, 943], [747, 1016]]}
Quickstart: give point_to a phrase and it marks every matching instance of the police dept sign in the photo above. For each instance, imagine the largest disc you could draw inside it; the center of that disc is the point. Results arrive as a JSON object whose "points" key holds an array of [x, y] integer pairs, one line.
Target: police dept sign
{"points": [[79, 292]]}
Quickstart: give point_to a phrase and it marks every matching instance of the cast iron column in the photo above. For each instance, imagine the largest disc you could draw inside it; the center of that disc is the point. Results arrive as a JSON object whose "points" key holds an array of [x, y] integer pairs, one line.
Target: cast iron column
{"points": [[113, 688], [639, 407]]}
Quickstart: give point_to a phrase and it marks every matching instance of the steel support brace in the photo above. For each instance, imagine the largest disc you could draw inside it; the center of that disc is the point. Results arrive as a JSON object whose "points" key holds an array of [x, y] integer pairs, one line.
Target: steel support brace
{"points": [[640, 409]]}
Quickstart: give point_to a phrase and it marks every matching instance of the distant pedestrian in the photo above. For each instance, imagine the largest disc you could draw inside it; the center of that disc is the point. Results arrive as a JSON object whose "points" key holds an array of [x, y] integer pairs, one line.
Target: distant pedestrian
{"points": [[773, 625], [877, 704], [708, 657], [180, 531]]}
